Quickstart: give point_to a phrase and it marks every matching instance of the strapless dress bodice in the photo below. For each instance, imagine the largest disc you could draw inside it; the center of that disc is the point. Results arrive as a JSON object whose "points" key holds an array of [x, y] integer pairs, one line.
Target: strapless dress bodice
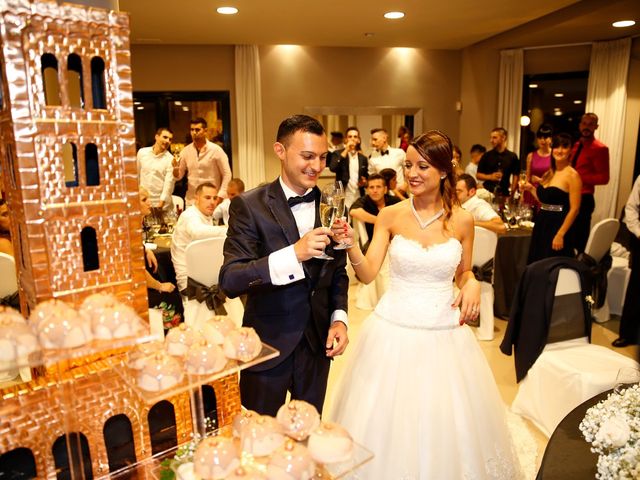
{"points": [[420, 290]]}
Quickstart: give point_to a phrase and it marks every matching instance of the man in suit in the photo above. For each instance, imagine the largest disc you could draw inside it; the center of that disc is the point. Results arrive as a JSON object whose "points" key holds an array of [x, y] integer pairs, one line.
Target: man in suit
{"points": [[295, 302], [350, 167]]}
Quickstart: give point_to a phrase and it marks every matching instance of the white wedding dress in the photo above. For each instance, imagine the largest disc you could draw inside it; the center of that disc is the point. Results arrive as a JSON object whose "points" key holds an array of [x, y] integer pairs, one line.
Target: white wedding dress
{"points": [[417, 390]]}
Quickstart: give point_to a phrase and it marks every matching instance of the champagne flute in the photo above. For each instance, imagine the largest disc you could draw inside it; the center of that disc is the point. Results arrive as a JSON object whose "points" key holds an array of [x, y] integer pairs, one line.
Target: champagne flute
{"points": [[340, 212], [328, 211]]}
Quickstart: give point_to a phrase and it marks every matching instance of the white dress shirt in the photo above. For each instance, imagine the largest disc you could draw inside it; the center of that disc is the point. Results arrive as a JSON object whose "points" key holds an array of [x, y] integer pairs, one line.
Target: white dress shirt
{"points": [[632, 209], [472, 169], [481, 210], [192, 225], [394, 159], [284, 267], [351, 189], [155, 173]]}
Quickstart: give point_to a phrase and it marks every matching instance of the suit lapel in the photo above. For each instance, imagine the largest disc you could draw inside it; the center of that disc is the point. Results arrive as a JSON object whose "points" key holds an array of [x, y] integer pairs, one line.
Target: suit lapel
{"points": [[282, 213]]}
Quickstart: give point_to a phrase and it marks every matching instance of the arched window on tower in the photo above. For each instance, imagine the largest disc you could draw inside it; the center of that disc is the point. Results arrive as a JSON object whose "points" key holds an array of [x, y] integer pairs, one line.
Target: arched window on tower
{"points": [[89, 241], [118, 438], [70, 164], [210, 406], [91, 164], [162, 427], [18, 463], [98, 91], [80, 457], [50, 82], [74, 81]]}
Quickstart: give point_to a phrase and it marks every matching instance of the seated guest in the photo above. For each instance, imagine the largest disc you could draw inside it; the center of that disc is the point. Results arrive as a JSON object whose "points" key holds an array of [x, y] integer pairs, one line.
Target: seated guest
{"points": [[6, 246], [157, 290], [483, 215], [391, 179], [367, 208], [235, 188], [476, 153], [195, 223]]}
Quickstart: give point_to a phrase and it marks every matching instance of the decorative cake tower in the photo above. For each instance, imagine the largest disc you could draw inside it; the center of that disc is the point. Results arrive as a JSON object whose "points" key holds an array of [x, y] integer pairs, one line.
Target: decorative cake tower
{"points": [[67, 151]]}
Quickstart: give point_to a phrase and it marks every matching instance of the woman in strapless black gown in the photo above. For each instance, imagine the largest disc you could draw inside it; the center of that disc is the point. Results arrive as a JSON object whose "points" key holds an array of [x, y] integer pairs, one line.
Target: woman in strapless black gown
{"points": [[559, 196]]}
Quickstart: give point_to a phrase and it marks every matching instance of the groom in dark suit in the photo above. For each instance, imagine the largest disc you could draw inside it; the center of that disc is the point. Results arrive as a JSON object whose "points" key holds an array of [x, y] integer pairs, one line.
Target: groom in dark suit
{"points": [[295, 302]]}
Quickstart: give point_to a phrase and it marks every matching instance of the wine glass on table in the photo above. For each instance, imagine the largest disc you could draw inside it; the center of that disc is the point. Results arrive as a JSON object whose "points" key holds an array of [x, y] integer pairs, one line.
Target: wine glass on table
{"points": [[329, 200], [626, 377]]}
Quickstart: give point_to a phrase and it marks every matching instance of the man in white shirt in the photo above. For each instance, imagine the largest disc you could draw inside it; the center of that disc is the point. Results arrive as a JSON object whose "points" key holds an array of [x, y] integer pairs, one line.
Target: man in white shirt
{"points": [[475, 153], [155, 169], [235, 188], [195, 223], [384, 156], [483, 215]]}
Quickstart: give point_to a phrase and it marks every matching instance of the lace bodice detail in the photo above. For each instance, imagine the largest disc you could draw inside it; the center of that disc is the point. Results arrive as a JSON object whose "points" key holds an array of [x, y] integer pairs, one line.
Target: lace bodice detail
{"points": [[420, 290]]}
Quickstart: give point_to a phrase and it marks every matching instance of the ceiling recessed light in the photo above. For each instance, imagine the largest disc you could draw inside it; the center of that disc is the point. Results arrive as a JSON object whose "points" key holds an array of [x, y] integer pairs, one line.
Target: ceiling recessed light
{"points": [[140, 108], [577, 102], [533, 85], [177, 103], [557, 109], [525, 120], [227, 10], [393, 15], [624, 23], [558, 113], [559, 95]]}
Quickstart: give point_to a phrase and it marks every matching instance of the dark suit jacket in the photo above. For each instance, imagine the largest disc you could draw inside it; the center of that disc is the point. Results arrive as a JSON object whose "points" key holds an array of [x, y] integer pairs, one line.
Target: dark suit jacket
{"points": [[260, 223], [340, 166]]}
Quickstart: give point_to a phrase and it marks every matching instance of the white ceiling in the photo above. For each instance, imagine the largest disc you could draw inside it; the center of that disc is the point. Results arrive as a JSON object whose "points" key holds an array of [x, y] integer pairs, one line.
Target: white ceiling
{"points": [[448, 24]]}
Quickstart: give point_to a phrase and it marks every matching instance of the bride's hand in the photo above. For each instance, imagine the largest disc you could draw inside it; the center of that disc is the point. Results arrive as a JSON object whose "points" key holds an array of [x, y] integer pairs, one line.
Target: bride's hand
{"points": [[343, 233], [469, 301]]}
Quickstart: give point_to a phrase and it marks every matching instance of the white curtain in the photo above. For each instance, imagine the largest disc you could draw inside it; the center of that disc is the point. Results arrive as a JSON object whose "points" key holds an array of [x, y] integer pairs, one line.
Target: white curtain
{"points": [[607, 98], [510, 95], [250, 161]]}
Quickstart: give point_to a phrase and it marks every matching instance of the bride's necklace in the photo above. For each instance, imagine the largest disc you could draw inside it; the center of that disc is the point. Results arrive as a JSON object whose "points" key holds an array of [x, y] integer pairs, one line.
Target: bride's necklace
{"points": [[428, 221]]}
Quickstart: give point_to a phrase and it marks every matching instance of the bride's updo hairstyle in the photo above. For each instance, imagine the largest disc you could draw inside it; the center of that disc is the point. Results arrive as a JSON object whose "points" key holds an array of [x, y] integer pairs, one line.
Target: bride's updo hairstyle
{"points": [[436, 148]]}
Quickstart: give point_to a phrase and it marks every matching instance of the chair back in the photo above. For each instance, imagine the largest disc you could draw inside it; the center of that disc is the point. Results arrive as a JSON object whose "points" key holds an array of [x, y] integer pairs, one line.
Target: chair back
{"points": [[568, 315], [204, 260], [484, 246], [359, 233], [178, 202], [8, 279], [601, 237]]}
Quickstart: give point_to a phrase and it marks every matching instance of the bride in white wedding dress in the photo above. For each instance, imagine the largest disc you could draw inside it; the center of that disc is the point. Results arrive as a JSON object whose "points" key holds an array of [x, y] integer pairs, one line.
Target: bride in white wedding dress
{"points": [[418, 390]]}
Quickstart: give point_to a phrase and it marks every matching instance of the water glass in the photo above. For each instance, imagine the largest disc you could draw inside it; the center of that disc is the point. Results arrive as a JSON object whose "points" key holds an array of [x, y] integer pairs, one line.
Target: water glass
{"points": [[626, 377]]}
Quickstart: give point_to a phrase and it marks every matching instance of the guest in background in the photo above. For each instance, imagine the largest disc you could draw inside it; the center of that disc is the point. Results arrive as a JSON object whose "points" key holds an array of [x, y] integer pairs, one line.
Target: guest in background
{"points": [[393, 189], [483, 214], [457, 161], [337, 141], [590, 158], [6, 246], [498, 165], [195, 223], [475, 154], [630, 320], [559, 197], [155, 170], [202, 161], [404, 136], [221, 213], [539, 161], [350, 166], [385, 156]]}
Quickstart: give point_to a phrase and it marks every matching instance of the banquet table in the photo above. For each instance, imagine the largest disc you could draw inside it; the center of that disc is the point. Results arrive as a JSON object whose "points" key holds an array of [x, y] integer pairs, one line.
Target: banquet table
{"points": [[568, 454], [509, 264]]}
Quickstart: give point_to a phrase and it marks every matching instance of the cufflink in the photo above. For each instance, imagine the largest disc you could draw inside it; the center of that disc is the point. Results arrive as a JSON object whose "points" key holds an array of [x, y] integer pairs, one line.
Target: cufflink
{"points": [[291, 277]]}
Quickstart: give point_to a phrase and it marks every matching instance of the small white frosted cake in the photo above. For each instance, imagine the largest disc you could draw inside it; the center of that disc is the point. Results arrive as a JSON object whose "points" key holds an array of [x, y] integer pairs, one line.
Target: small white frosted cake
{"points": [[159, 372], [217, 328], [245, 473], [242, 344], [330, 443], [117, 321], [179, 340], [96, 302], [203, 358], [292, 461], [261, 435], [241, 419], [17, 342], [59, 326], [137, 355], [298, 418], [216, 458]]}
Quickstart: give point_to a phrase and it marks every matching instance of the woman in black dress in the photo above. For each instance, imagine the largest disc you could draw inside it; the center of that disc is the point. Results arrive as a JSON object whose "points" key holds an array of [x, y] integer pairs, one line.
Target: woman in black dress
{"points": [[559, 197]]}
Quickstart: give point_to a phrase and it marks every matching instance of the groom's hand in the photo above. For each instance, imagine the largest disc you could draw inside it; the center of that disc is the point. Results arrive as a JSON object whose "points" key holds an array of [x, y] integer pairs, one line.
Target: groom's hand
{"points": [[312, 243], [337, 340]]}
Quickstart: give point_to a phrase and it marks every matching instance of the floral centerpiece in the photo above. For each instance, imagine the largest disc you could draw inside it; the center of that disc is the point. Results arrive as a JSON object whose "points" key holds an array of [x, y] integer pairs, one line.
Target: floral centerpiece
{"points": [[613, 429]]}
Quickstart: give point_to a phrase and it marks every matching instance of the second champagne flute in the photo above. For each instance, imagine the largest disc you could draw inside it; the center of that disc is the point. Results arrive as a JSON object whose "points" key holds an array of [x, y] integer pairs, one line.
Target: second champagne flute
{"points": [[327, 212]]}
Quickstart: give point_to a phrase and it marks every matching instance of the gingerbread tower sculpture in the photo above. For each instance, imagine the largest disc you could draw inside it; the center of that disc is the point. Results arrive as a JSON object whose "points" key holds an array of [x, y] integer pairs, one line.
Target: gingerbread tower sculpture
{"points": [[67, 152]]}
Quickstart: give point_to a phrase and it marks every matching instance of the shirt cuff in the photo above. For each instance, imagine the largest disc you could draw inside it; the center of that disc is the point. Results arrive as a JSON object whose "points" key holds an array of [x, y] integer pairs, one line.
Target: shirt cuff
{"points": [[339, 316], [284, 267]]}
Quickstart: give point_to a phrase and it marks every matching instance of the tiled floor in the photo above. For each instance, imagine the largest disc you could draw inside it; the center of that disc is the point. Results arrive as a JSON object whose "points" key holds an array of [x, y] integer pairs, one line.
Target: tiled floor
{"points": [[502, 365]]}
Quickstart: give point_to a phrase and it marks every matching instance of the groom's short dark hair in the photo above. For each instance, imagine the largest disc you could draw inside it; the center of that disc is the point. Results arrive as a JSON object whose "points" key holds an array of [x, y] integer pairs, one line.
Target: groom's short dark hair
{"points": [[298, 123]]}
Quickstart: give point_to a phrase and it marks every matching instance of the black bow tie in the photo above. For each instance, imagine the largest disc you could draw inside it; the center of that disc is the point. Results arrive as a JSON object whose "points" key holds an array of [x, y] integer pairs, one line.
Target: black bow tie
{"points": [[384, 152], [309, 197]]}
